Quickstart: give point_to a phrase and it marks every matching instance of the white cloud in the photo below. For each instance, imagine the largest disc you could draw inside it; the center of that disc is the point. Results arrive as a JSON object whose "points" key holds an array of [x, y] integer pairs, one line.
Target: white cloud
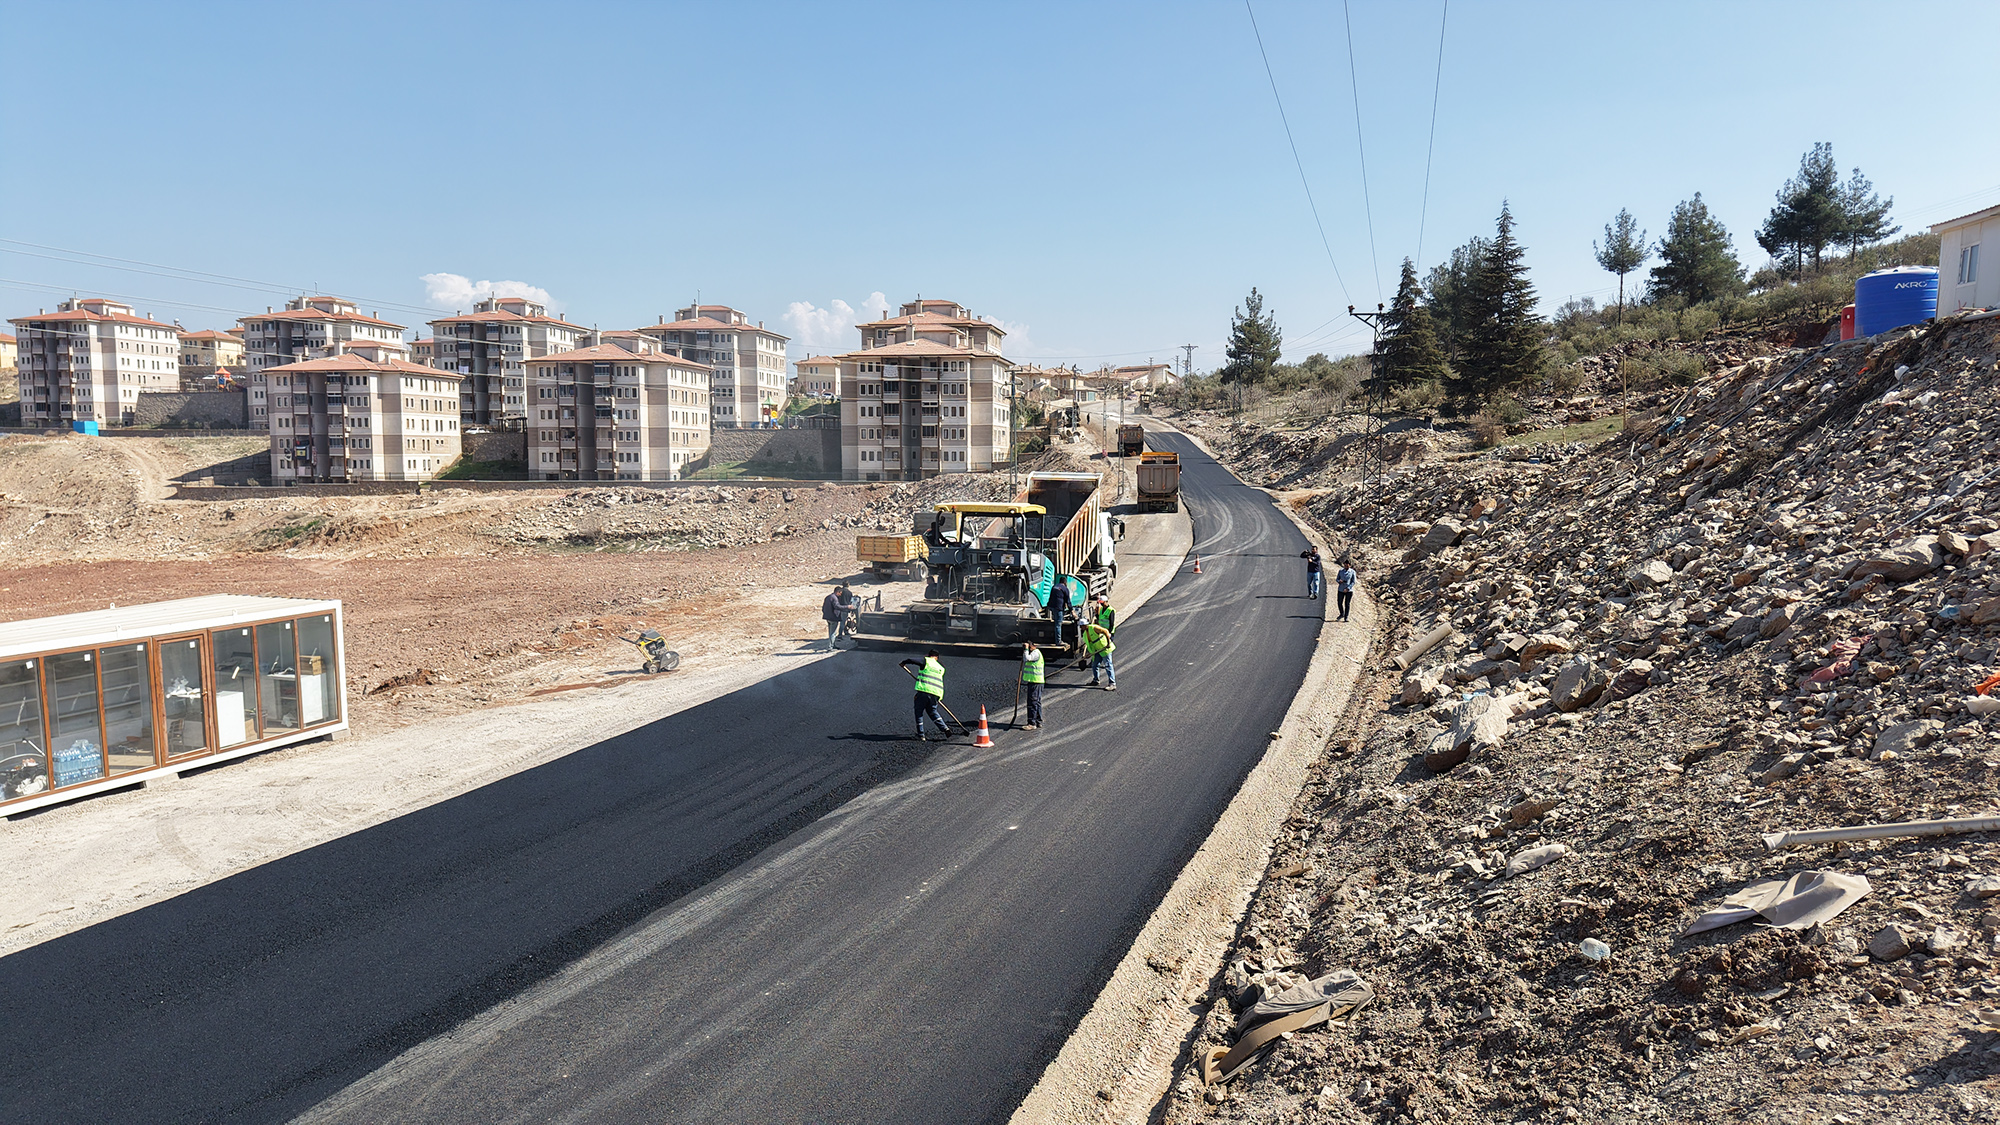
{"points": [[456, 291], [831, 328], [1017, 340]]}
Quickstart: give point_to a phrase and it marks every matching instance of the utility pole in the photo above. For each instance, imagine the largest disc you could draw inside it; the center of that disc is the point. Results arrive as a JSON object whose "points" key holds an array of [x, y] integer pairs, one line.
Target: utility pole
{"points": [[1374, 322], [1187, 363]]}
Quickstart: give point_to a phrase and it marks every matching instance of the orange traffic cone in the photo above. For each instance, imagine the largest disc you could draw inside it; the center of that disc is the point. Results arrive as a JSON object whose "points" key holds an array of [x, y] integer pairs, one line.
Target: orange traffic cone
{"points": [[1197, 564], [983, 738]]}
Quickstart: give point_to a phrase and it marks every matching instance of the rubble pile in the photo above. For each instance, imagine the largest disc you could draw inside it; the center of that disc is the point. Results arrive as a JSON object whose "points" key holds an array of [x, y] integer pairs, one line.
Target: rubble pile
{"points": [[1319, 456], [1772, 605]]}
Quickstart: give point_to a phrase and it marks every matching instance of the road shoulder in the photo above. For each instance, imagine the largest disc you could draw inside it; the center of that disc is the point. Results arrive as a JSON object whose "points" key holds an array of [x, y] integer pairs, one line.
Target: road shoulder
{"points": [[1120, 1060]]}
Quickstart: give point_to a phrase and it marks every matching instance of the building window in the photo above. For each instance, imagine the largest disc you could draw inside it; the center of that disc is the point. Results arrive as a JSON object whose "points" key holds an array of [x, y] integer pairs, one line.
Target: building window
{"points": [[1968, 265]]}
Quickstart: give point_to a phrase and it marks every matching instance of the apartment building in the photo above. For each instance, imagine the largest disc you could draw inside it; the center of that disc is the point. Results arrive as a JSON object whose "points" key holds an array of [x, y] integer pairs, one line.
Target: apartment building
{"points": [[925, 395], [818, 376], [365, 413], [424, 350], [10, 351], [205, 353], [491, 346], [746, 361], [624, 409], [313, 327], [88, 361]]}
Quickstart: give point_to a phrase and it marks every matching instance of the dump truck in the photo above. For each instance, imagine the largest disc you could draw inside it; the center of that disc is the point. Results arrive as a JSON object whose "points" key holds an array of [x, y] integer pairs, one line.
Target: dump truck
{"points": [[1131, 439], [1159, 481], [892, 556], [990, 566]]}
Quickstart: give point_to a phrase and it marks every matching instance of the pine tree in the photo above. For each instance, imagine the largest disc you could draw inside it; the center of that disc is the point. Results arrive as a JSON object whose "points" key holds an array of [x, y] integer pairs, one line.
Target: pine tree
{"points": [[1624, 250], [1449, 288], [1810, 214], [1696, 261], [1504, 350], [1865, 215], [1254, 340], [1409, 353]]}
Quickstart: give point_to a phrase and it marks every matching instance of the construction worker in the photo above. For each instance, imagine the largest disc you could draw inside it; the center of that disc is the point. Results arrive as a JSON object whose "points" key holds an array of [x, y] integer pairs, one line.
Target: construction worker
{"points": [[1097, 649], [930, 694], [1059, 607], [1032, 669], [1106, 616]]}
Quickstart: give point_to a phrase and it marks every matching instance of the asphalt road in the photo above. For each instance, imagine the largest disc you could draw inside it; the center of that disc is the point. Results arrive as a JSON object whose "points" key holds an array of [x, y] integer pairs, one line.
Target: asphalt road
{"points": [[773, 907]]}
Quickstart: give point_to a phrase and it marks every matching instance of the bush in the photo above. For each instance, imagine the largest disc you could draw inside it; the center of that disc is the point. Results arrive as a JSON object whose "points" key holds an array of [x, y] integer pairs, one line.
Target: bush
{"points": [[1567, 379], [1420, 399], [1487, 431], [1507, 411]]}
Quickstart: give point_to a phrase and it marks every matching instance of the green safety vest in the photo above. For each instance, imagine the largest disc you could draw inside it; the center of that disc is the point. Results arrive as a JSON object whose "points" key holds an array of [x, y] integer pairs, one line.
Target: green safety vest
{"points": [[1031, 668], [930, 679], [1097, 640], [1107, 617]]}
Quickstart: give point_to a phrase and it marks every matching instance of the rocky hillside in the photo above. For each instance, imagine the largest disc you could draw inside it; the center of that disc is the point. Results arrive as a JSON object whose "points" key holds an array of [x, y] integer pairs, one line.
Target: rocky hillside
{"points": [[1768, 607]]}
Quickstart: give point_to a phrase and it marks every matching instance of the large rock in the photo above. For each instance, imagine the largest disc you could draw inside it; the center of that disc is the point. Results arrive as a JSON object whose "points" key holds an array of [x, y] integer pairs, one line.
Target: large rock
{"points": [[1442, 534], [1538, 645], [1891, 943], [1578, 685], [1648, 574], [1903, 738], [1778, 620], [1479, 723], [1912, 558], [1423, 687], [1986, 612]]}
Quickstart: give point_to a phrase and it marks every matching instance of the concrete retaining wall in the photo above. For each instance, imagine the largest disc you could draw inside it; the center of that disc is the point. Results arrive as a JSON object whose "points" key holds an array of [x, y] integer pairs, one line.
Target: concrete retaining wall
{"points": [[219, 409], [509, 446], [793, 451]]}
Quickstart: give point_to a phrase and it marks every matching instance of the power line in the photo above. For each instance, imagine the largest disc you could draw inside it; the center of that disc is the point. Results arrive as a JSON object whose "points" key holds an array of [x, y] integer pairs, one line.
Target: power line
{"points": [[1300, 164], [1367, 207], [1430, 147]]}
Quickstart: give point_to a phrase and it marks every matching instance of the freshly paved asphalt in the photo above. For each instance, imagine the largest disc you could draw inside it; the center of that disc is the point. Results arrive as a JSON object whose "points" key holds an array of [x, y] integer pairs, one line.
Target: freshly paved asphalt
{"points": [[773, 907]]}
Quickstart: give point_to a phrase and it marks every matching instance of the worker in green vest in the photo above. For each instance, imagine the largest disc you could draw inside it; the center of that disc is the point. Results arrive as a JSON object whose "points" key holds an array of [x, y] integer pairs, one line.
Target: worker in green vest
{"points": [[1033, 667], [930, 694], [1106, 616], [1097, 649]]}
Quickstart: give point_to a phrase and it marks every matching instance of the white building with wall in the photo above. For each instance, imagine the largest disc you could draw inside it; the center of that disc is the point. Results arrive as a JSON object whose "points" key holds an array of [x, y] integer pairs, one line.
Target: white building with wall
{"points": [[746, 361], [1968, 278], [363, 414], [491, 347], [624, 409], [88, 361], [925, 395], [312, 327]]}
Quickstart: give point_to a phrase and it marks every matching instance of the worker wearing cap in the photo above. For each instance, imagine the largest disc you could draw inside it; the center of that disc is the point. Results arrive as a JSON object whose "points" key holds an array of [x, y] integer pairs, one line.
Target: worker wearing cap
{"points": [[1033, 669], [930, 694], [1106, 616], [1097, 648]]}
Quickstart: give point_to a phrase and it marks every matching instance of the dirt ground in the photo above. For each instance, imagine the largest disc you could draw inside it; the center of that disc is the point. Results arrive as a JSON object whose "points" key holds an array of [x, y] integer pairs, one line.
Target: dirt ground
{"points": [[454, 600]]}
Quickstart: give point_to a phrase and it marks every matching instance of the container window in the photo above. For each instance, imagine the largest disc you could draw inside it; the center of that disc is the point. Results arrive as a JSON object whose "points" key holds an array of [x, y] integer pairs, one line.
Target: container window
{"points": [[181, 697], [278, 677], [319, 673], [24, 766], [235, 687], [77, 743], [128, 707]]}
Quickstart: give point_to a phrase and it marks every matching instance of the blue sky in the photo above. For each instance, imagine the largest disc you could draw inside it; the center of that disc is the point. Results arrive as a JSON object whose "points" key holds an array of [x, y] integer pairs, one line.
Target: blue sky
{"points": [[1108, 180]]}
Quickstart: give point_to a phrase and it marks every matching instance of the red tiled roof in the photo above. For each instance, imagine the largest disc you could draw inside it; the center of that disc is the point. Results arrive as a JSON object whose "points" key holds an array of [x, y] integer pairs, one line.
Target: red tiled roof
{"points": [[86, 314], [210, 334], [318, 314], [6, 339], [818, 360], [500, 315], [931, 319], [916, 348], [351, 362], [612, 353], [704, 324]]}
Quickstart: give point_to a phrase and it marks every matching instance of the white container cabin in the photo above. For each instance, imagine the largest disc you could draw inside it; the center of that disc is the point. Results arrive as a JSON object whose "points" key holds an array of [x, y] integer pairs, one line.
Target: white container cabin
{"points": [[105, 699]]}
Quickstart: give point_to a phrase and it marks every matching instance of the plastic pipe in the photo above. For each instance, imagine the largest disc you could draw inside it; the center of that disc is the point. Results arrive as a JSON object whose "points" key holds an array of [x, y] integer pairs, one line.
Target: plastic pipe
{"points": [[1773, 841], [1423, 645]]}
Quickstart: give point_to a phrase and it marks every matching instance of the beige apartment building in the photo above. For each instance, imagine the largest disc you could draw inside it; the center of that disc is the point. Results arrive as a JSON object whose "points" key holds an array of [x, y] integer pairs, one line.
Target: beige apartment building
{"points": [[207, 352], [746, 361], [366, 413], [424, 350], [314, 327], [10, 352], [88, 361], [925, 395], [625, 409], [491, 347], [818, 376]]}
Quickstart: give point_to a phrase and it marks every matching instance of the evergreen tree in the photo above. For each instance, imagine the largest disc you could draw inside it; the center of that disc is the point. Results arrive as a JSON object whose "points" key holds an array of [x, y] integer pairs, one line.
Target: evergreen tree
{"points": [[1254, 341], [1504, 348], [1409, 352], [1865, 214], [1449, 287], [1696, 261], [1624, 250], [1810, 214]]}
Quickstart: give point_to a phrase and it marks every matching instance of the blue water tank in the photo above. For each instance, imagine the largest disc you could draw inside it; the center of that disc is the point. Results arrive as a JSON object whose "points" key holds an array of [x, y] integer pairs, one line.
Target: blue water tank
{"points": [[1892, 298], [84, 426]]}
